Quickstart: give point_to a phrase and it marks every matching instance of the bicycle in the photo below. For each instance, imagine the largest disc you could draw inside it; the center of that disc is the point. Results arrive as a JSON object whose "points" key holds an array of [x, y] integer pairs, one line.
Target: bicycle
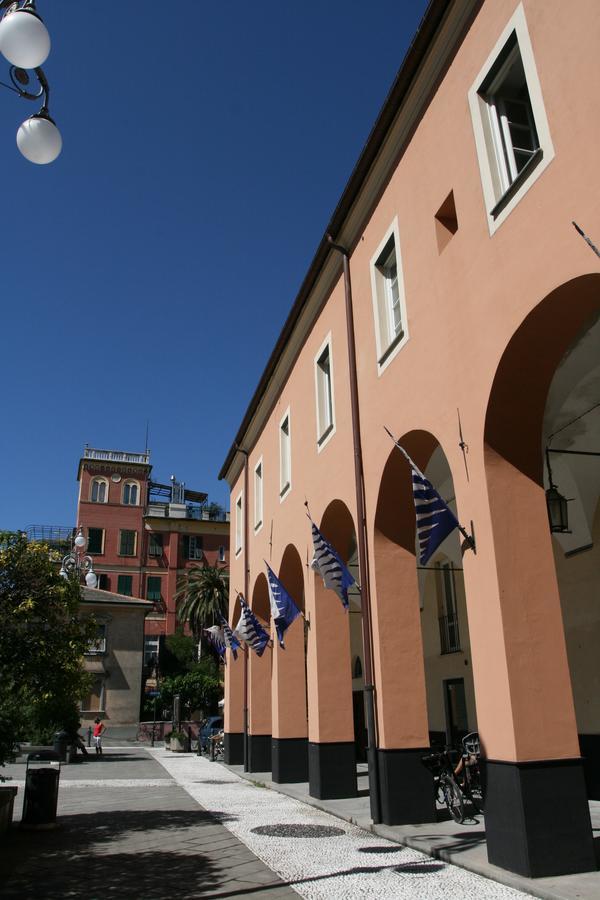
{"points": [[447, 788], [468, 771]]}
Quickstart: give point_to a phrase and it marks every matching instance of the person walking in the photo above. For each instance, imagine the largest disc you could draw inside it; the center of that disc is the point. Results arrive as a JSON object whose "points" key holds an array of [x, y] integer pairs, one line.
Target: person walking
{"points": [[99, 730]]}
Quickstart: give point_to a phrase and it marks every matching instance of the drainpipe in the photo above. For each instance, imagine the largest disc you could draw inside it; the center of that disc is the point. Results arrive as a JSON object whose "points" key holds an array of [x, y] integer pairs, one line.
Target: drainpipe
{"points": [[365, 589], [246, 588]]}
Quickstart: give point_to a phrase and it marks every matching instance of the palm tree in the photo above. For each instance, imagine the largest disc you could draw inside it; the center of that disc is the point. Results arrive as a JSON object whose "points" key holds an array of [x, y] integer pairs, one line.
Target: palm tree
{"points": [[203, 597]]}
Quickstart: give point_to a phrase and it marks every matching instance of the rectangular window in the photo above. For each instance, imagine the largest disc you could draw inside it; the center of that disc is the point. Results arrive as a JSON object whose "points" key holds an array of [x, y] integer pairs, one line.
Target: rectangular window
{"points": [[258, 496], [324, 389], [285, 456], [509, 121], [103, 582], [239, 524], [153, 588], [155, 544], [95, 541], [388, 297], [448, 617], [127, 542], [94, 701], [195, 546], [98, 643], [151, 649], [221, 553], [125, 585]]}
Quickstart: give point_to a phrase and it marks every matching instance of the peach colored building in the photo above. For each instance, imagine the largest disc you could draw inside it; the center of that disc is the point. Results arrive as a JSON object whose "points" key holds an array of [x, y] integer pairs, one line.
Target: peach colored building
{"points": [[475, 308]]}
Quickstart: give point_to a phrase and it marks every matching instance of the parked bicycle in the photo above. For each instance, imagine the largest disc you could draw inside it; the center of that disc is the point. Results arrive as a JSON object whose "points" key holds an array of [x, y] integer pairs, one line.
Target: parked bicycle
{"points": [[447, 788], [468, 770]]}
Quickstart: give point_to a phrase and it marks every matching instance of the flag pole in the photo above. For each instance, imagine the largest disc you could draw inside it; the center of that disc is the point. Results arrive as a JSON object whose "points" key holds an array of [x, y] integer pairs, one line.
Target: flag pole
{"points": [[246, 586], [361, 528], [469, 538]]}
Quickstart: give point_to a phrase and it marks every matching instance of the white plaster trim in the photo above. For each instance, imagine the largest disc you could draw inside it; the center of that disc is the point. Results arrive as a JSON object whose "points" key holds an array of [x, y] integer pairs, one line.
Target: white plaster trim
{"points": [[478, 107], [258, 525], [284, 489], [323, 438], [239, 510], [384, 354]]}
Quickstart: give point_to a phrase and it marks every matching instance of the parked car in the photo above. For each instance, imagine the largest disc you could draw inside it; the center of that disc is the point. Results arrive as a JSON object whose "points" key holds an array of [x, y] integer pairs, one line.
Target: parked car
{"points": [[211, 725]]}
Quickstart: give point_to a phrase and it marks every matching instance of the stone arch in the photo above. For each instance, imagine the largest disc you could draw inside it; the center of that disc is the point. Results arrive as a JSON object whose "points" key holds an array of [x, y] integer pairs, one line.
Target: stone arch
{"points": [[410, 692], [289, 694], [520, 625], [259, 686], [332, 752]]}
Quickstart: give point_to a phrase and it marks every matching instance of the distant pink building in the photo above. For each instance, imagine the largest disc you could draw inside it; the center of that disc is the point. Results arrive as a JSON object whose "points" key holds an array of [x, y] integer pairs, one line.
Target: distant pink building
{"points": [[476, 315], [142, 535]]}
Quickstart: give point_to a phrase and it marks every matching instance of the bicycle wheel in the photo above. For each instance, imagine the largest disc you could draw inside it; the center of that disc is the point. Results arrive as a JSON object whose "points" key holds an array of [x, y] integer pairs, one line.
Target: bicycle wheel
{"points": [[475, 793], [454, 799]]}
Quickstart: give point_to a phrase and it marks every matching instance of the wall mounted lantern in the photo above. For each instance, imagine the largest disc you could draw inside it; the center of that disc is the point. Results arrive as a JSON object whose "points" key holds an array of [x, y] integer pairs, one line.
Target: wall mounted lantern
{"points": [[558, 513], [25, 43]]}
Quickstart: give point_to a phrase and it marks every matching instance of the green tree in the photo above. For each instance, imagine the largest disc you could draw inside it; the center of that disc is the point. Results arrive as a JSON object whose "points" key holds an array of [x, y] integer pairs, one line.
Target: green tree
{"points": [[203, 597], [42, 642]]}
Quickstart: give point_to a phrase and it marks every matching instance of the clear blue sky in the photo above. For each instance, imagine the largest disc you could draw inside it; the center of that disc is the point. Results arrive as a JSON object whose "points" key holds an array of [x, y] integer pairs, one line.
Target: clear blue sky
{"points": [[147, 273]]}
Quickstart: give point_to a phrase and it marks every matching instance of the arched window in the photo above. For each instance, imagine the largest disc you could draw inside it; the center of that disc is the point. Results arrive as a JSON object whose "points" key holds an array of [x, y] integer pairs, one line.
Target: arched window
{"points": [[99, 492], [130, 493]]}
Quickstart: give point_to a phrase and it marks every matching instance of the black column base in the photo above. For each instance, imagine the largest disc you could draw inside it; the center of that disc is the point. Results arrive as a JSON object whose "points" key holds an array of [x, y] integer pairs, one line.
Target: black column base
{"points": [[234, 748], [407, 796], [259, 752], [537, 818], [290, 760], [332, 770]]}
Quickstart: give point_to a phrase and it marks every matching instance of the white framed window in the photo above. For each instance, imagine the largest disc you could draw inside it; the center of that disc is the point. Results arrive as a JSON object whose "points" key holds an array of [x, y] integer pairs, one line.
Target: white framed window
{"points": [[99, 490], [127, 542], [511, 130], [258, 495], [97, 645], [324, 393], [285, 456], [239, 523], [389, 306], [151, 649], [95, 700], [131, 493]]}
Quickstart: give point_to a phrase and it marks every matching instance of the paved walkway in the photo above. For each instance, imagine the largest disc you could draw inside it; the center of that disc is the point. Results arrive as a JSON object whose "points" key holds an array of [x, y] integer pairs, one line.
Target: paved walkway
{"points": [[321, 856], [128, 830], [463, 845]]}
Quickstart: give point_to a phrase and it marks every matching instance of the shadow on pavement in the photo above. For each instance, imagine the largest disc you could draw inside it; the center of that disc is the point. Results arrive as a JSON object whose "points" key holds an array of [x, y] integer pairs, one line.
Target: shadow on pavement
{"points": [[76, 859]]}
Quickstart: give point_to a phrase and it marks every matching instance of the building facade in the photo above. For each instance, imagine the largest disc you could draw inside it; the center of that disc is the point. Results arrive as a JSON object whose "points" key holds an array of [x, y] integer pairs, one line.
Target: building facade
{"points": [[142, 535], [475, 304], [115, 661]]}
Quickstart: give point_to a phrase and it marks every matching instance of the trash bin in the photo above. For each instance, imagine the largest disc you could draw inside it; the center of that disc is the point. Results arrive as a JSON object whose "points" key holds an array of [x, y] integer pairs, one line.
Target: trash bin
{"points": [[61, 744], [41, 789]]}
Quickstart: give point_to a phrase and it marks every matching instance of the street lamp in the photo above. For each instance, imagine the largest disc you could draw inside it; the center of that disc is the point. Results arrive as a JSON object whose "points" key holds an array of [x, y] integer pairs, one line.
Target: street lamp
{"points": [[25, 42], [78, 563]]}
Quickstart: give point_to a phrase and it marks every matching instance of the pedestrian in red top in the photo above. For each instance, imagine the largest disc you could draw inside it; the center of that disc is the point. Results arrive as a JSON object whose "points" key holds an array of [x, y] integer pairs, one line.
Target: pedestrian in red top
{"points": [[99, 730]]}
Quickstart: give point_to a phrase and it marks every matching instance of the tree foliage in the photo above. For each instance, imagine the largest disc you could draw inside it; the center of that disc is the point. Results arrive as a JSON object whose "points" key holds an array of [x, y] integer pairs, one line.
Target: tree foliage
{"points": [[42, 642], [203, 597]]}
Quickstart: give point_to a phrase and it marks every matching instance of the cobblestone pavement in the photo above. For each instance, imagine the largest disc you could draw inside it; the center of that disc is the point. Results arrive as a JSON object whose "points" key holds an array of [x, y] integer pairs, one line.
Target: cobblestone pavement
{"points": [[128, 830], [320, 855]]}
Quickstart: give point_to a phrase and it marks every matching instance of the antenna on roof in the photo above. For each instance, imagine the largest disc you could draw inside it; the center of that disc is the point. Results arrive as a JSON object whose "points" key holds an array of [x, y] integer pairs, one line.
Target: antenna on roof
{"points": [[147, 426]]}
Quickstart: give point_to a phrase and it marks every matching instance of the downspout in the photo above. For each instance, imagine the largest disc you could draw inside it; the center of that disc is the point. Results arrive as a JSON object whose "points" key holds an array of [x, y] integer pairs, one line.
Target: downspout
{"points": [[246, 587], [365, 588]]}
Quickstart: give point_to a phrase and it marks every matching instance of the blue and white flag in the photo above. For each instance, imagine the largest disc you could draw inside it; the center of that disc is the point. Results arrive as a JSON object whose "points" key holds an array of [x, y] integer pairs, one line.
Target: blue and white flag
{"points": [[330, 567], [283, 608], [250, 630], [216, 637], [231, 642], [435, 519]]}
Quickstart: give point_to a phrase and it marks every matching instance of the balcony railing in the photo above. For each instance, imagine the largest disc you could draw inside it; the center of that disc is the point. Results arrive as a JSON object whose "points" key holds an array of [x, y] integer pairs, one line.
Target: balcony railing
{"points": [[449, 634], [116, 456], [170, 511]]}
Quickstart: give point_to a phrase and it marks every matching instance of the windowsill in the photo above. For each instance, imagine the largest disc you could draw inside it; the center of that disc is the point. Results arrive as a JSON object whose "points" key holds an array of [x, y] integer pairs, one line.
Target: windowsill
{"points": [[521, 178], [449, 652], [325, 435], [390, 348], [127, 555]]}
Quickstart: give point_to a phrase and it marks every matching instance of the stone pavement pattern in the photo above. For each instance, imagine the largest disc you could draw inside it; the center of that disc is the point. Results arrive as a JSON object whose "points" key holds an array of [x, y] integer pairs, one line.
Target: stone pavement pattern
{"points": [[128, 830], [320, 855]]}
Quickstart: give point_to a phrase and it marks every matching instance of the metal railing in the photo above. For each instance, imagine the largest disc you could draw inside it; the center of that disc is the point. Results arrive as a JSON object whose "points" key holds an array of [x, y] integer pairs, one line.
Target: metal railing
{"points": [[449, 633], [55, 535], [116, 456], [192, 512]]}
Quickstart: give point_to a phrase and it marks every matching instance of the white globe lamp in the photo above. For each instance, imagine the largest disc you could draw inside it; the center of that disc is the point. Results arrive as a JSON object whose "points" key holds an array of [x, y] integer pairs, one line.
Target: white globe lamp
{"points": [[39, 140], [91, 580], [24, 39], [80, 541]]}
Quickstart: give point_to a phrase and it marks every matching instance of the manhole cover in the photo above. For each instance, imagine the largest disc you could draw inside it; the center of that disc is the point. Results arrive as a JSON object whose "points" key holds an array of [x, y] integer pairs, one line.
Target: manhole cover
{"points": [[298, 831]]}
